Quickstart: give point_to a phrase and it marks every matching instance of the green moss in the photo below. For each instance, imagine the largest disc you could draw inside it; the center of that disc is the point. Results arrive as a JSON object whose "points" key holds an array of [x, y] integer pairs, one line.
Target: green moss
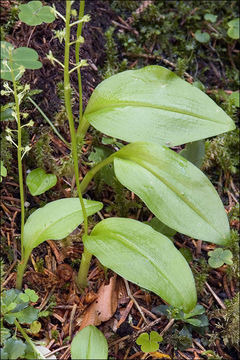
{"points": [[233, 270], [229, 322], [221, 152], [200, 271]]}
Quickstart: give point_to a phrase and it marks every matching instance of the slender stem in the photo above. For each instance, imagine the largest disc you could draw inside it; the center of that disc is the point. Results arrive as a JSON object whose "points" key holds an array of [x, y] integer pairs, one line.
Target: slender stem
{"points": [[29, 341], [49, 121], [77, 57], [81, 281], [88, 177], [19, 153], [82, 127], [20, 270]]}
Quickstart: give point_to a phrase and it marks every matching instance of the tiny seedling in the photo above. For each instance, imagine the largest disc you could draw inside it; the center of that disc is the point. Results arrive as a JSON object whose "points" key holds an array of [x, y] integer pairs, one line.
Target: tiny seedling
{"points": [[219, 256], [38, 181], [149, 343], [210, 17], [202, 37], [17, 309]]}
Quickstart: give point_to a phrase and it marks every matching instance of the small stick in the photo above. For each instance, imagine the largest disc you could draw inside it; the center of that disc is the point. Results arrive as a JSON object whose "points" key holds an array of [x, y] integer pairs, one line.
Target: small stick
{"points": [[215, 296], [71, 319], [134, 300], [57, 350]]}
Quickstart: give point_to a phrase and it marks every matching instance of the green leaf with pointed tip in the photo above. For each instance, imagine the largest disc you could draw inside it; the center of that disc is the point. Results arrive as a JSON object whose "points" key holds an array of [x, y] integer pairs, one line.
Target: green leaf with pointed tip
{"points": [[175, 190], [144, 256], [55, 221], [89, 344], [194, 152], [34, 13], [233, 31], [38, 181], [154, 104], [17, 60]]}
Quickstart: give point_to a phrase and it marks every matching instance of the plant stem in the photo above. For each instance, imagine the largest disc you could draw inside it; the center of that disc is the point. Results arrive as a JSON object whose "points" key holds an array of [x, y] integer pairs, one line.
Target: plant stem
{"points": [[20, 270], [77, 56], [86, 258], [82, 128], [29, 341], [88, 177], [49, 122]]}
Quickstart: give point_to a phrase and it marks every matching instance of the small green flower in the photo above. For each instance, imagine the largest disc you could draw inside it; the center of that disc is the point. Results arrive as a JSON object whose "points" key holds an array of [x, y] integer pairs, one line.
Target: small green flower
{"points": [[149, 343], [218, 257]]}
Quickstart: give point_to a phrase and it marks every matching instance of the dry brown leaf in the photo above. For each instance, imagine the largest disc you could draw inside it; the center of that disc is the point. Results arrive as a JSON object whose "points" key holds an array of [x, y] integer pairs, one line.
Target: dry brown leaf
{"points": [[105, 305]]}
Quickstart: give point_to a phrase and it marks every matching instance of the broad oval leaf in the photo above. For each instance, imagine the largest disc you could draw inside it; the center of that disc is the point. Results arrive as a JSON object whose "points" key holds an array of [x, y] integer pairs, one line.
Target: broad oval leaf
{"points": [[38, 181], [56, 220], [144, 256], [34, 13], [17, 60], [89, 344], [154, 104], [175, 190]]}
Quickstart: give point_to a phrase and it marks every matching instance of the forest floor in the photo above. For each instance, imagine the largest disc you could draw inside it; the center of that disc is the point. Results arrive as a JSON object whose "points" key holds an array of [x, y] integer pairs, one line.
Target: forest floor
{"points": [[124, 35]]}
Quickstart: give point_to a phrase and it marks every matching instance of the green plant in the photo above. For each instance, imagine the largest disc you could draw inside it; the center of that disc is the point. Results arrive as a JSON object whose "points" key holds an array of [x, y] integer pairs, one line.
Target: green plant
{"points": [[149, 343], [17, 309], [196, 317], [152, 109], [218, 257]]}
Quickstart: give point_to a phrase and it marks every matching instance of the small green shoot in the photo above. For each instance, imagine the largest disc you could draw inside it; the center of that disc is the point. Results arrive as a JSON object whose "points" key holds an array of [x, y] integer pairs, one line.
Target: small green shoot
{"points": [[38, 181], [202, 37], [149, 343], [218, 257], [34, 13], [233, 31]]}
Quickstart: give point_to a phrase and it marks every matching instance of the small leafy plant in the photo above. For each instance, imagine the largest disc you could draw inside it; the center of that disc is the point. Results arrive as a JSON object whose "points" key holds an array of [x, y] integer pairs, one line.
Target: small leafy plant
{"points": [[219, 256], [149, 343], [17, 309], [153, 110]]}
